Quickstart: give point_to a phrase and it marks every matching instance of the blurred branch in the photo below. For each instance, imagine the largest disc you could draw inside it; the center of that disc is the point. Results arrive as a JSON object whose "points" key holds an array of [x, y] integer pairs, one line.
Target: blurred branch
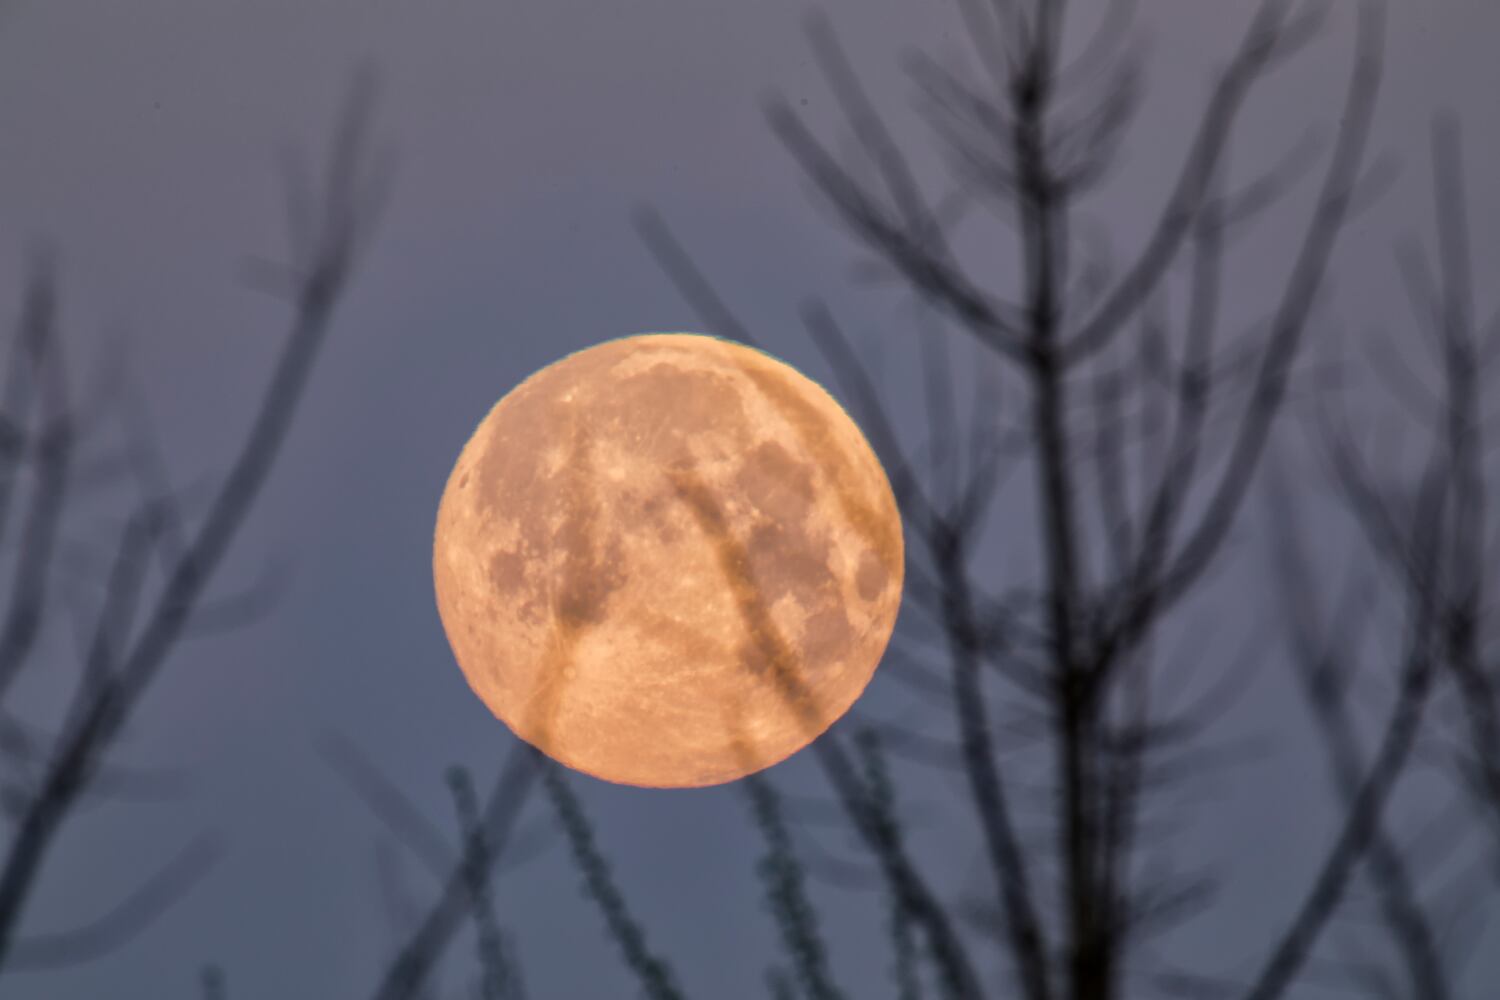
{"points": [[107, 699], [1318, 661], [405, 976], [41, 364], [398, 813], [786, 892], [655, 975], [1465, 446], [1366, 799], [883, 806], [212, 981], [1271, 38], [122, 924], [949, 952], [1161, 579], [498, 979], [906, 234], [680, 269]]}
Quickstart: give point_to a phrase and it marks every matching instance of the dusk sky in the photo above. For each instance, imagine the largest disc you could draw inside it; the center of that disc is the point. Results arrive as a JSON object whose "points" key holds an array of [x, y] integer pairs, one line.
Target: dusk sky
{"points": [[142, 142]]}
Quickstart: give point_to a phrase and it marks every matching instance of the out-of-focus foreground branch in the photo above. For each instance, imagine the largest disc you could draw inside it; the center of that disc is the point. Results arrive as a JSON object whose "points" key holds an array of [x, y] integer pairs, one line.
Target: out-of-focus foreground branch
{"points": [[141, 617]]}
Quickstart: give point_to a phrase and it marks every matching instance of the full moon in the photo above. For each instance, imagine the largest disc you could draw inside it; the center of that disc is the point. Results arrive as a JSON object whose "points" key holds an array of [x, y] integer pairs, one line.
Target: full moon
{"points": [[668, 560]]}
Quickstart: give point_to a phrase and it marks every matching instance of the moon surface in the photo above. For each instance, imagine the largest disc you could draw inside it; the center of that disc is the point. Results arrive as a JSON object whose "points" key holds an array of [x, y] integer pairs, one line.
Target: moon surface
{"points": [[668, 560]]}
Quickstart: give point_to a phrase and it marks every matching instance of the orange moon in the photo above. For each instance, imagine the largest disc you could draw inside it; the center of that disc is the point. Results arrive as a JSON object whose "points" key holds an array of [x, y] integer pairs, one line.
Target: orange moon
{"points": [[668, 560]]}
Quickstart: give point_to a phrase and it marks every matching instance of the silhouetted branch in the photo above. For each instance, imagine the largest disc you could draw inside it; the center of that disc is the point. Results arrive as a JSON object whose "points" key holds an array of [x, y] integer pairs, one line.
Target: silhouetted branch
{"points": [[1455, 589], [41, 364], [1361, 824], [1078, 648], [679, 267], [107, 700], [654, 974], [955, 968], [883, 806], [31, 353], [779, 984], [497, 978], [1154, 589], [126, 920], [912, 893], [1463, 435], [211, 979], [403, 912], [906, 236], [398, 814], [786, 892], [1318, 659], [1271, 38], [407, 973]]}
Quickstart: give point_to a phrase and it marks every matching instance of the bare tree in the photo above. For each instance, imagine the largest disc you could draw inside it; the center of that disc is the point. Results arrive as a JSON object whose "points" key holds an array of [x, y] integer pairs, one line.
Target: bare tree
{"points": [[1140, 430], [1445, 560], [1030, 138], [1426, 523], [153, 590]]}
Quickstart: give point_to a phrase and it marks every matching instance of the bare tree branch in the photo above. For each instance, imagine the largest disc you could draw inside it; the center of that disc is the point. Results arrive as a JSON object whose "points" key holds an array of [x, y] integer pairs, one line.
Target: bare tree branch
{"points": [[407, 973], [350, 199], [121, 925]]}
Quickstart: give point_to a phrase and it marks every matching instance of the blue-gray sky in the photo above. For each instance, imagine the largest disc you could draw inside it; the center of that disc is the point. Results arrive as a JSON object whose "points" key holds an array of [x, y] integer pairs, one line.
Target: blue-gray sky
{"points": [[141, 140]]}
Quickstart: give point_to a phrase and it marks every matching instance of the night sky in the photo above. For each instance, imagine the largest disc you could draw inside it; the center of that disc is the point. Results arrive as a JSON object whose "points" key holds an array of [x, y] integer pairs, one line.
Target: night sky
{"points": [[142, 141]]}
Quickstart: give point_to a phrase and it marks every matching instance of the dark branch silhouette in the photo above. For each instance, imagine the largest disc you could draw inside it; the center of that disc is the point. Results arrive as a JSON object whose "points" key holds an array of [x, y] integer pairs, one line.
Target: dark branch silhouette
{"points": [[138, 627]]}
